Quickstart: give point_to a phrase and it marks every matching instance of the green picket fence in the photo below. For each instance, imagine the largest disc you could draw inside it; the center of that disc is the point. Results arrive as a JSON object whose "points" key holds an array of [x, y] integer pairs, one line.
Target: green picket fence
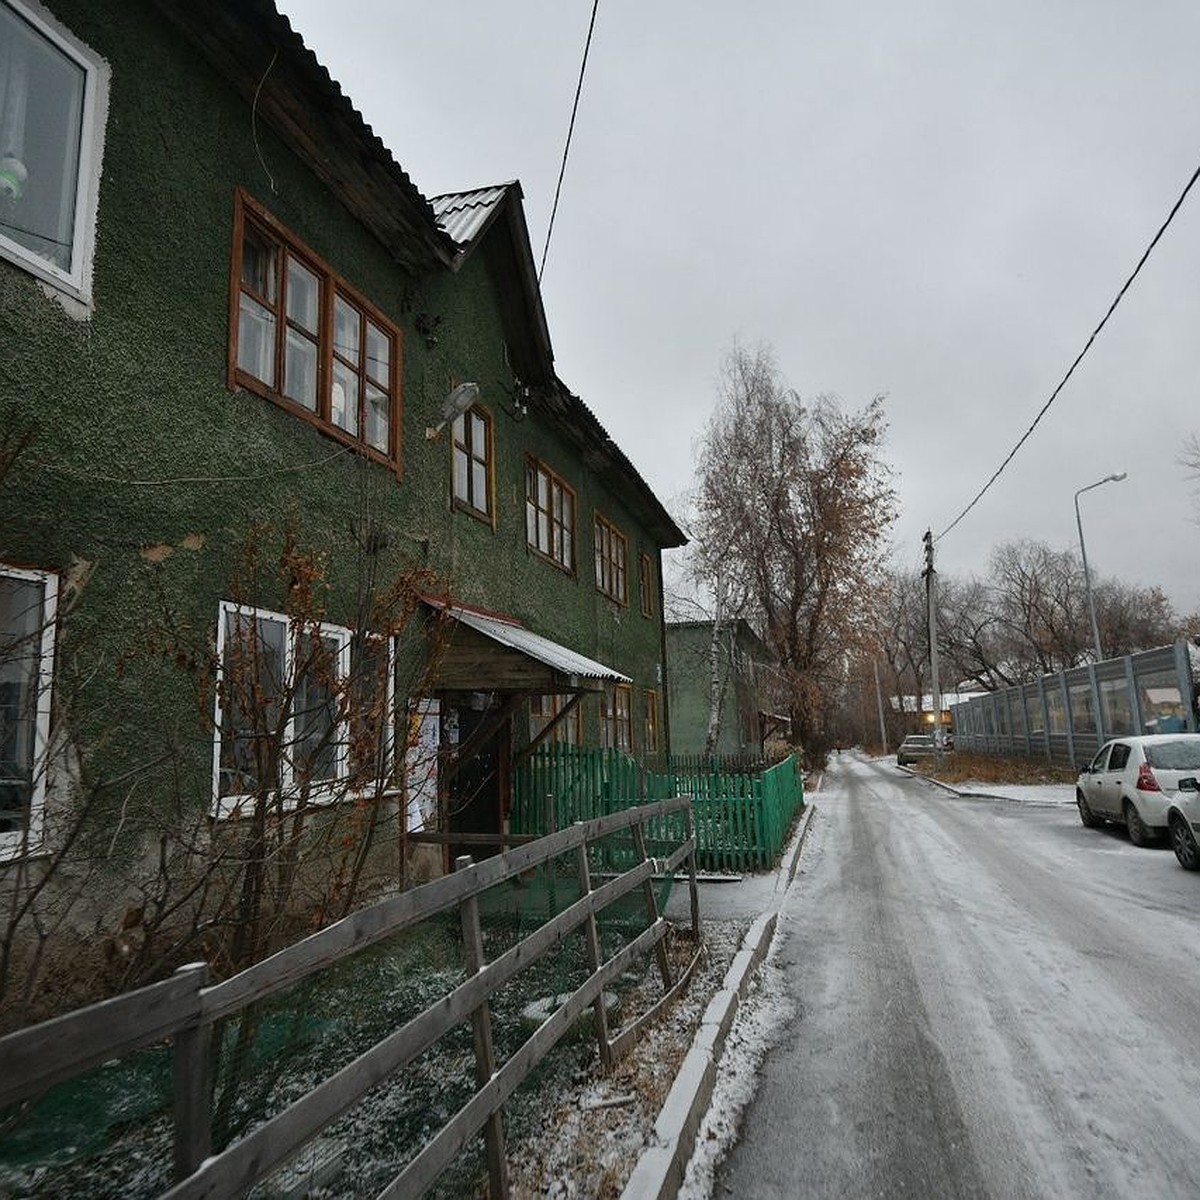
{"points": [[741, 816]]}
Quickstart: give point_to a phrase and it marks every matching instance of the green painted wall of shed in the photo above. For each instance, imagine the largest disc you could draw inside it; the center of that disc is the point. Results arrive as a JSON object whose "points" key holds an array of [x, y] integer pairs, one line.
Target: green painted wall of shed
{"points": [[689, 659], [139, 442]]}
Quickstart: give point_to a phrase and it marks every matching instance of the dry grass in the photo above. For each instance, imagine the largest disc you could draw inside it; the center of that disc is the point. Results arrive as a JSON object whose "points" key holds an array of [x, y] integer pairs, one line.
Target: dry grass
{"points": [[961, 766]]}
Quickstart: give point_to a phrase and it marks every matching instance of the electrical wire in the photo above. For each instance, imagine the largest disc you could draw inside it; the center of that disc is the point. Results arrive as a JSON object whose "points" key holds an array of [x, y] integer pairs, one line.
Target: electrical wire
{"points": [[562, 170], [1078, 358]]}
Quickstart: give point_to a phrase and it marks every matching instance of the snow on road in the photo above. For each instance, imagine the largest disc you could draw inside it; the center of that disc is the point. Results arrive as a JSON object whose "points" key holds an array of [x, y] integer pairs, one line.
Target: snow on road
{"points": [[988, 999]]}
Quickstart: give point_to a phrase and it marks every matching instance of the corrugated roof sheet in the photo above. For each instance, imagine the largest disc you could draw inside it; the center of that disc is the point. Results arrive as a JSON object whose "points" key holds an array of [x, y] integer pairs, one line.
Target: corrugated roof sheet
{"points": [[465, 215], [517, 637]]}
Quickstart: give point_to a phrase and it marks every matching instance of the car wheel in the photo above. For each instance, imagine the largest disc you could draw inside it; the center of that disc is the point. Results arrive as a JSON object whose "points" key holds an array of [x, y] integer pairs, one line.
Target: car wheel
{"points": [[1184, 845], [1089, 818], [1139, 832]]}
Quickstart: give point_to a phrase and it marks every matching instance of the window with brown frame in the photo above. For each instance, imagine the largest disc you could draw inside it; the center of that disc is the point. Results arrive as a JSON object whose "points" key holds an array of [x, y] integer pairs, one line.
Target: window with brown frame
{"points": [[549, 515], [616, 719], [472, 462], [646, 581], [650, 745], [302, 337], [611, 560], [543, 710]]}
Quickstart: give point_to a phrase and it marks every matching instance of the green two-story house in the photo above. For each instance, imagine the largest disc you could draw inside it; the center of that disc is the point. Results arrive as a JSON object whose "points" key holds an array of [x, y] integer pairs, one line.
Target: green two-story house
{"points": [[304, 543]]}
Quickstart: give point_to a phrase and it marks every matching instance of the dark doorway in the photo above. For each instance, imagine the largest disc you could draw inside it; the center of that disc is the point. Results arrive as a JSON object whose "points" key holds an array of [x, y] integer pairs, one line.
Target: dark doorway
{"points": [[473, 795]]}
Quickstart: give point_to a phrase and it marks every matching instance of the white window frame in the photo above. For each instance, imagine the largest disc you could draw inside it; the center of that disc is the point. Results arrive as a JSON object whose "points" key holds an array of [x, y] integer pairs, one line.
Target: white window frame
{"points": [[224, 807], [29, 840], [77, 282]]}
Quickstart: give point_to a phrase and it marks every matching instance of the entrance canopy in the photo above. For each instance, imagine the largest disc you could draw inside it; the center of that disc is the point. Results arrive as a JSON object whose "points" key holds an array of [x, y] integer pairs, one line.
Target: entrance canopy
{"points": [[490, 653]]}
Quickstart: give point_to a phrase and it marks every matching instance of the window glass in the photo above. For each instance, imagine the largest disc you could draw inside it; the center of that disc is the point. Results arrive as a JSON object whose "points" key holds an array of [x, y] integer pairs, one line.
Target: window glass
{"points": [[550, 516], [610, 560], [379, 355], [651, 700], [1056, 710], [42, 95], [300, 370], [254, 666], [343, 410], [1163, 709], [260, 267], [1118, 756], [1083, 716], [1114, 703], [1181, 755], [471, 461], [371, 732], [347, 323], [316, 750], [1098, 763], [22, 643], [304, 294], [378, 419], [256, 340]]}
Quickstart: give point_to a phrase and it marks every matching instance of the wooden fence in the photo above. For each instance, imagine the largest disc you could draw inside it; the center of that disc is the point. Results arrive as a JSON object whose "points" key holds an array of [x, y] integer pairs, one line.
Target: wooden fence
{"points": [[741, 817], [186, 1006]]}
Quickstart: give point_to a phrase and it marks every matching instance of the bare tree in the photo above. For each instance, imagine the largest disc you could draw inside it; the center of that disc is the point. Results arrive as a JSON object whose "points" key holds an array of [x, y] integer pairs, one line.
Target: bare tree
{"points": [[794, 502]]}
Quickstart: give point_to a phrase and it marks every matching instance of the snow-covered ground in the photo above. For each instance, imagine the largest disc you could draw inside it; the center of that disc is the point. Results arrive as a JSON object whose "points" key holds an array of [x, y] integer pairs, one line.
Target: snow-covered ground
{"points": [[1036, 793]]}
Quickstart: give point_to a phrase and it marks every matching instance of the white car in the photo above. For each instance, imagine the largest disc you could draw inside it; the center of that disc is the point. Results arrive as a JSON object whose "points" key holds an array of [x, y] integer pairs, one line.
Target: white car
{"points": [[1134, 780], [1183, 822]]}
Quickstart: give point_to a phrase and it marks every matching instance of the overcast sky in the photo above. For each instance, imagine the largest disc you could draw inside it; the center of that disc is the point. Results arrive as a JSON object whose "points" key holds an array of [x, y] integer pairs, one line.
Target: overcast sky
{"points": [[935, 200]]}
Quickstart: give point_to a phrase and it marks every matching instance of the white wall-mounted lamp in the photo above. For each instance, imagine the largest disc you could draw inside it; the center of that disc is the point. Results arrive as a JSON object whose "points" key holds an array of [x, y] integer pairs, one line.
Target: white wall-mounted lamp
{"points": [[454, 405]]}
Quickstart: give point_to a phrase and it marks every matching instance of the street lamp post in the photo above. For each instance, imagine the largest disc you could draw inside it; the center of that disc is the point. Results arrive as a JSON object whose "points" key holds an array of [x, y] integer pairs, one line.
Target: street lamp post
{"points": [[1087, 579]]}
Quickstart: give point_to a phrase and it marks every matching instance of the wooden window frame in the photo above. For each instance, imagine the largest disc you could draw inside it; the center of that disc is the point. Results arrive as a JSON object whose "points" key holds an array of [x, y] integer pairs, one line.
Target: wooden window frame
{"points": [[646, 583], [462, 443], [651, 741], [26, 842], [533, 510], [251, 217], [612, 560], [545, 708], [616, 718]]}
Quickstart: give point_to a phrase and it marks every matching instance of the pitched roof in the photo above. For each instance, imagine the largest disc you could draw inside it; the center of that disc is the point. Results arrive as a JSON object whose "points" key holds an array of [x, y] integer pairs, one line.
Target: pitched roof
{"points": [[468, 217], [252, 44]]}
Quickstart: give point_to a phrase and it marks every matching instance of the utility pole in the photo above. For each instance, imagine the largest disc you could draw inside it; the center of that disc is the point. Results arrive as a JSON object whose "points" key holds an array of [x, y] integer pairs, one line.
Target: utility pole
{"points": [[879, 702], [930, 577]]}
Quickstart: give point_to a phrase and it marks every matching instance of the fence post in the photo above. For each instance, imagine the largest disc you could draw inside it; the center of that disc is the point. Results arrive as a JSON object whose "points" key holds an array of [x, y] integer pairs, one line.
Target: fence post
{"points": [[592, 938], [481, 1027], [191, 1069], [660, 949], [689, 830]]}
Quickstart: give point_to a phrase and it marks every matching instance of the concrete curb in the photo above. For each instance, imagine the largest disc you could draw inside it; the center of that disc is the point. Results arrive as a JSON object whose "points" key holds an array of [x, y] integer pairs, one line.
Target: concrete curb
{"points": [[659, 1171]]}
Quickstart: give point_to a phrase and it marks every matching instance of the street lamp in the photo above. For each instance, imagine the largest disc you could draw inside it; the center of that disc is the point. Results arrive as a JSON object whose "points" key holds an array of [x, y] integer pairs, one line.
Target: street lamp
{"points": [[1087, 580]]}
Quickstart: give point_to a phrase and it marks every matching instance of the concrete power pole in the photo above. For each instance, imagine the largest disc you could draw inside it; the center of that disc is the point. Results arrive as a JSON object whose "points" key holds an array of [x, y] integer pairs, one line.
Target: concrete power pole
{"points": [[930, 577], [879, 702]]}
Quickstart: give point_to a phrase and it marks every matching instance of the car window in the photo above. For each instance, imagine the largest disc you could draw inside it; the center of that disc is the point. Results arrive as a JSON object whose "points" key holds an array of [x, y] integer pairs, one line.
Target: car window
{"points": [[1100, 759], [1119, 756], [1183, 755]]}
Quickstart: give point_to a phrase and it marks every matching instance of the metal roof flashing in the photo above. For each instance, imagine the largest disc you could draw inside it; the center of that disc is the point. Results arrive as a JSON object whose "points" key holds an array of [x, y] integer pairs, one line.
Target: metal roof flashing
{"points": [[510, 633]]}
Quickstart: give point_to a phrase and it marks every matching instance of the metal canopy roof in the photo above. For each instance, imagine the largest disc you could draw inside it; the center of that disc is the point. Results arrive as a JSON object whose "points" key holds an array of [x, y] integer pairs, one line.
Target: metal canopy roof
{"points": [[515, 636]]}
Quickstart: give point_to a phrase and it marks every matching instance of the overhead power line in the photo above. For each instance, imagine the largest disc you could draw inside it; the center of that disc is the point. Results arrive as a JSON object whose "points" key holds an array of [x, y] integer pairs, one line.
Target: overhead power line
{"points": [[562, 170], [1079, 357]]}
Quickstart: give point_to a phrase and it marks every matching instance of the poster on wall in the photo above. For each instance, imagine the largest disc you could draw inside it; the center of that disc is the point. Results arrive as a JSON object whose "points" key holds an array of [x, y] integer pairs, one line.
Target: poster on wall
{"points": [[421, 765]]}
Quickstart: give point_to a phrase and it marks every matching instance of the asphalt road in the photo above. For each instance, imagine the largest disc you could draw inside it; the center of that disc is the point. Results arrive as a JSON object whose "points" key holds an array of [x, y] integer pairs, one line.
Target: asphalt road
{"points": [[990, 1001]]}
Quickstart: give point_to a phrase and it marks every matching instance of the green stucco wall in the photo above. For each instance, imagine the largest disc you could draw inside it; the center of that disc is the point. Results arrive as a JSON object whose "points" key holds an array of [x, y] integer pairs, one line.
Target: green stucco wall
{"points": [[138, 442]]}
